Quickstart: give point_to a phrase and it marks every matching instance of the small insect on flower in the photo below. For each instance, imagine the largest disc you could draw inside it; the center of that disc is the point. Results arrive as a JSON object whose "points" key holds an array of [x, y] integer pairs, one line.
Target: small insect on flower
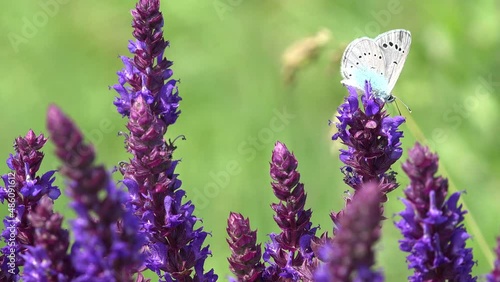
{"points": [[379, 61]]}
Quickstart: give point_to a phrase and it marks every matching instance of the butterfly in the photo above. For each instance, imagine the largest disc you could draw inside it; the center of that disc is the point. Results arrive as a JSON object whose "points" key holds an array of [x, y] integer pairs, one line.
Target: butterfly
{"points": [[378, 60]]}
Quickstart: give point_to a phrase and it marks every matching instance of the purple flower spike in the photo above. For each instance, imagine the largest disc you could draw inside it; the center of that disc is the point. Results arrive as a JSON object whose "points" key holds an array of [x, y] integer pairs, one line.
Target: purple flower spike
{"points": [[149, 98], [156, 198], [372, 139], [146, 74], [432, 225], [107, 242], [47, 259], [494, 276], [349, 256], [22, 191], [290, 250], [245, 253]]}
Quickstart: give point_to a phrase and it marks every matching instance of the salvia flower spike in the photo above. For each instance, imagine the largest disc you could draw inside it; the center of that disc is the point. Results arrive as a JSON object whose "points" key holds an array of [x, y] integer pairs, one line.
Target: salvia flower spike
{"points": [[350, 255], [245, 260], [372, 138], [289, 252], [432, 224], [107, 239], [149, 99], [22, 191]]}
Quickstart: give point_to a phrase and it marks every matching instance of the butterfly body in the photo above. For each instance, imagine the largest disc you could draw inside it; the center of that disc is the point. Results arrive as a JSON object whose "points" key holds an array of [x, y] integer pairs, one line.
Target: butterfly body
{"points": [[379, 84], [379, 61]]}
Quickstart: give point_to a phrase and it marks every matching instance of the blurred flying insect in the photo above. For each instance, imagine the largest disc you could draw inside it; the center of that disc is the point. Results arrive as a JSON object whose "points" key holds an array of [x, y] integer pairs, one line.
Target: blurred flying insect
{"points": [[303, 52]]}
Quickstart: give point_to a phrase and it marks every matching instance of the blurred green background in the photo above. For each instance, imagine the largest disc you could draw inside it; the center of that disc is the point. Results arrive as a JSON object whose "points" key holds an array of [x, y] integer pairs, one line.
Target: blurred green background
{"points": [[227, 54]]}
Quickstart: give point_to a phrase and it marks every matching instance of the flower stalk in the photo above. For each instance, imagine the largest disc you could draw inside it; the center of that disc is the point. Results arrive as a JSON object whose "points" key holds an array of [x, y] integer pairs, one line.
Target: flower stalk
{"points": [[245, 260], [23, 190], [350, 255], [432, 224], [148, 97], [107, 241], [290, 250]]}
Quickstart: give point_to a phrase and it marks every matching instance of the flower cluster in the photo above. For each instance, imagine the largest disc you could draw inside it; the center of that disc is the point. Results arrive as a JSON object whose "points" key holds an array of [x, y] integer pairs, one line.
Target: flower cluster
{"points": [[290, 250], [350, 256], [245, 253], [149, 99], [107, 242], [432, 225], [48, 258], [23, 191], [372, 139], [145, 74], [373, 144]]}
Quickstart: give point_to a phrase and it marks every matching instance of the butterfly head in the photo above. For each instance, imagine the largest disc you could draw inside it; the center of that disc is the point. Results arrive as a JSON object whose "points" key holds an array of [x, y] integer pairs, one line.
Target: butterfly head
{"points": [[390, 98], [383, 95]]}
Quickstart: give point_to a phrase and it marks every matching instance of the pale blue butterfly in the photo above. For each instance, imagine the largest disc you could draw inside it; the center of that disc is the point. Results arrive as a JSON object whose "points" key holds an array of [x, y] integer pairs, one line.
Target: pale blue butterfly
{"points": [[378, 60]]}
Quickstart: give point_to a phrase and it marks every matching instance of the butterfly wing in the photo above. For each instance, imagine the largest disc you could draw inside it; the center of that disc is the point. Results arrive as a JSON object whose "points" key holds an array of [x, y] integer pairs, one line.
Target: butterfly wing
{"points": [[364, 60], [395, 45]]}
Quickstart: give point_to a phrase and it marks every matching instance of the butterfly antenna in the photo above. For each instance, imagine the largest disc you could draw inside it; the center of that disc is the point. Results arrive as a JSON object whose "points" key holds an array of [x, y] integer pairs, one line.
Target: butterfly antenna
{"points": [[406, 106], [397, 107]]}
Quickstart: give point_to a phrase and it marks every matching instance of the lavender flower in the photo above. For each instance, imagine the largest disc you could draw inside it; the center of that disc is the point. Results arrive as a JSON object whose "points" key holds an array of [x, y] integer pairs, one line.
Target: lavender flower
{"points": [[350, 256], [494, 276], [372, 138], [107, 242], [23, 191], [245, 253], [432, 225], [290, 250], [174, 248], [47, 259]]}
